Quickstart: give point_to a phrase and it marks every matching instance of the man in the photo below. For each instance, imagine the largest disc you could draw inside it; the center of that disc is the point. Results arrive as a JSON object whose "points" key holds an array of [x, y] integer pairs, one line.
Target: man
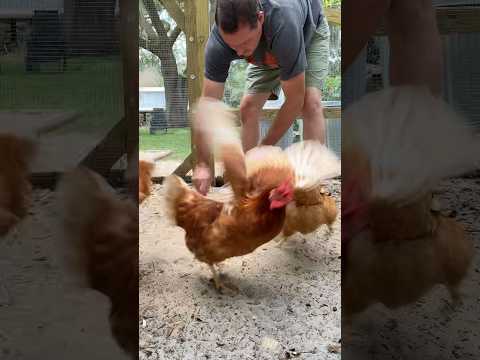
{"points": [[287, 45]]}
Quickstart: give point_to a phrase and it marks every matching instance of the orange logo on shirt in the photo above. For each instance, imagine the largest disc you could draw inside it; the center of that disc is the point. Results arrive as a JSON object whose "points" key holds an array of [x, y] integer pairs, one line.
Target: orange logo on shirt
{"points": [[268, 60]]}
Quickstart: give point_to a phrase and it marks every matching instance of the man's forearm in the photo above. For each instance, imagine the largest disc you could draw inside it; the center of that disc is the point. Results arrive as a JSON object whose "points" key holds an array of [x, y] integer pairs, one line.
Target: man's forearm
{"points": [[284, 119], [203, 153]]}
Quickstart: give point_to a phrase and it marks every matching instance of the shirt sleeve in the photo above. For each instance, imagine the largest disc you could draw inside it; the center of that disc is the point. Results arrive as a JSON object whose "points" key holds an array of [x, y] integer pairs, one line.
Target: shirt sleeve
{"points": [[288, 47], [218, 57]]}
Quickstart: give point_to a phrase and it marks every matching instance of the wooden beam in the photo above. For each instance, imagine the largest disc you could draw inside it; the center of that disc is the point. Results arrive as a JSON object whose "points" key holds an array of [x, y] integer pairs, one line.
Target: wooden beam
{"points": [[48, 180], [334, 16], [452, 20], [175, 12], [109, 151], [269, 114], [124, 138], [458, 20], [185, 166], [196, 33]]}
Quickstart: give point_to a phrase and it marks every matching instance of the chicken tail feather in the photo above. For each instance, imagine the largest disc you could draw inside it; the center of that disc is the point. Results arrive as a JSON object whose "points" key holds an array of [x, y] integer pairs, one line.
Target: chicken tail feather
{"points": [[313, 163], [175, 189]]}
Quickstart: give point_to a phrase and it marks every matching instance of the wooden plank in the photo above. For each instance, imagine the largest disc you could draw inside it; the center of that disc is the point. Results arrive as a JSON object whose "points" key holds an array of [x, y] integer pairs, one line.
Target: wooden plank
{"points": [[185, 166], [270, 114], [458, 20], [334, 16], [34, 122], [49, 180], [46, 180], [462, 19], [50, 157], [9, 13], [110, 149], [175, 12], [154, 155]]}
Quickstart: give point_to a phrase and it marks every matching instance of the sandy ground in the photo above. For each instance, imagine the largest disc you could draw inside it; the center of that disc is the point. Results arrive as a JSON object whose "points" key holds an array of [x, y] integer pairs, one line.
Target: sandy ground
{"points": [[43, 315], [288, 305], [430, 328]]}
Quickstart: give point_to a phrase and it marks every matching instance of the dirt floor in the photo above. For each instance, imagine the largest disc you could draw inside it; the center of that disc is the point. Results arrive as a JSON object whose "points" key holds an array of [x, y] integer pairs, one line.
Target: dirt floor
{"points": [[43, 314], [288, 305]]}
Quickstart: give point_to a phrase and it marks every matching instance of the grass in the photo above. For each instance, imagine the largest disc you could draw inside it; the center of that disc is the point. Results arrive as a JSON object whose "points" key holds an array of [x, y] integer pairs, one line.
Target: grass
{"points": [[91, 86], [177, 140]]}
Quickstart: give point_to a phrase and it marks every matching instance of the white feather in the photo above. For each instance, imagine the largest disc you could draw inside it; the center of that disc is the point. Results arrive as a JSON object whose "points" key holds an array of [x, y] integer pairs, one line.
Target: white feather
{"points": [[175, 188], [313, 163], [411, 139], [218, 123], [266, 155]]}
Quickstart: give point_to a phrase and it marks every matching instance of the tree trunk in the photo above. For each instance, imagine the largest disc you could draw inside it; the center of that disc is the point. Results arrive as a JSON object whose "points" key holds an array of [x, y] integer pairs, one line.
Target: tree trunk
{"points": [[175, 92]]}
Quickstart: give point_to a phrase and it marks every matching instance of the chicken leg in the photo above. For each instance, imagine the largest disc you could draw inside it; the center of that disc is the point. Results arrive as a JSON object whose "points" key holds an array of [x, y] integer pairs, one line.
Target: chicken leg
{"points": [[219, 284], [281, 240]]}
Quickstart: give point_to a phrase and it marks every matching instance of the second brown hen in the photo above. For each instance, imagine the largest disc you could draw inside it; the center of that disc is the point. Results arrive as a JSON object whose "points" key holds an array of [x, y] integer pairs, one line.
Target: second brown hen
{"points": [[312, 206], [102, 233], [15, 188]]}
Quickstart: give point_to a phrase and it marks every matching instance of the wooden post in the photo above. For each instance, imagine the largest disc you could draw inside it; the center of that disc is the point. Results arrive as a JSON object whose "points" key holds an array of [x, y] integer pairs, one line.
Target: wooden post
{"points": [[334, 16], [196, 34], [129, 52]]}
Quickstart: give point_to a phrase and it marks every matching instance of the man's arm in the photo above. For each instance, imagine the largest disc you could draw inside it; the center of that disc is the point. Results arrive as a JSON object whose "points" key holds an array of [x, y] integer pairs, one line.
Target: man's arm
{"points": [[294, 90], [202, 176], [211, 89]]}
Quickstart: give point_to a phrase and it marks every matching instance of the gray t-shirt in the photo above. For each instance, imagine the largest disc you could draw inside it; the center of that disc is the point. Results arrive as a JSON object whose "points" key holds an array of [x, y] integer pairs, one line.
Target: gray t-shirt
{"points": [[287, 31]]}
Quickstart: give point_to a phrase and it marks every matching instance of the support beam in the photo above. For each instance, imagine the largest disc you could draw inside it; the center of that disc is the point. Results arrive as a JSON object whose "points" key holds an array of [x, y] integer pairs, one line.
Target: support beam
{"points": [[450, 20], [127, 131], [334, 16], [109, 151], [196, 33]]}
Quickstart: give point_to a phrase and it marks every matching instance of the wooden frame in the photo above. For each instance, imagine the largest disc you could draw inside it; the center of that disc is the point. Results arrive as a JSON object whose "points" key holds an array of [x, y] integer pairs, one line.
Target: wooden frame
{"points": [[450, 20]]}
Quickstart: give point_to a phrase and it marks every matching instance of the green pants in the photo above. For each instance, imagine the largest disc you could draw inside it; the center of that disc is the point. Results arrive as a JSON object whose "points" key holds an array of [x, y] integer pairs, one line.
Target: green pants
{"points": [[262, 79]]}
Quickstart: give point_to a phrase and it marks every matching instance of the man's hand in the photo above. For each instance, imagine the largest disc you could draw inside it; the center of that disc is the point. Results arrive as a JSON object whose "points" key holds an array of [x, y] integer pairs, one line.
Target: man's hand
{"points": [[202, 178]]}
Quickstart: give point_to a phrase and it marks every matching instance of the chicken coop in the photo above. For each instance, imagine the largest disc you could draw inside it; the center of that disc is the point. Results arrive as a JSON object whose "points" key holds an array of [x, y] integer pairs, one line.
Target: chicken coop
{"points": [[459, 29], [171, 63], [68, 79]]}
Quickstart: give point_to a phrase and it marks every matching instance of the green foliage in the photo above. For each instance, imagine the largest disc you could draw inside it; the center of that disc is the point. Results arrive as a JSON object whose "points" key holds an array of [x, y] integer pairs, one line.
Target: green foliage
{"points": [[235, 85], [332, 3], [332, 87]]}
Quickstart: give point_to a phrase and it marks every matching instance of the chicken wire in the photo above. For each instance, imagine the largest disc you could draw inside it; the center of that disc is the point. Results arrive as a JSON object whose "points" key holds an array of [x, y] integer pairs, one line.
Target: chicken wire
{"points": [[63, 57], [461, 74]]}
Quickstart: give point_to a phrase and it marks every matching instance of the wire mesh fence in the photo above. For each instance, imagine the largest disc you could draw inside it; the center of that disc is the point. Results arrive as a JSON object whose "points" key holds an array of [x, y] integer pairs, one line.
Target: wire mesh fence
{"points": [[370, 72], [60, 65]]}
